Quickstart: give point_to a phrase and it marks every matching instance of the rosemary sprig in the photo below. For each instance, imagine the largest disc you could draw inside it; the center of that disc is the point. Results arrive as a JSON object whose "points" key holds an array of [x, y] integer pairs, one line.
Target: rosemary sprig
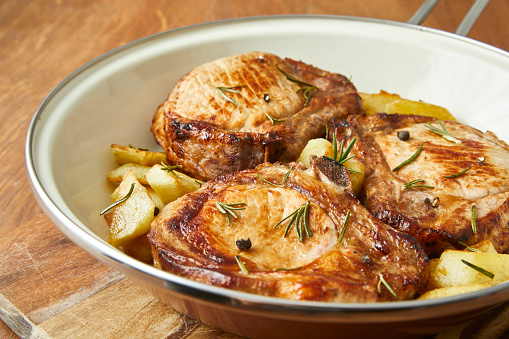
{"points": [[457, 174], [479, 269], [409, 160], [307, 89], [118, 202], [170, 168], [285, 179], [228, 209], [138, 148], [272, 119], [473, 219], [231, 89], [471, 249], [343, 229], [299, 217], [241, 265], [414, 184], [343, 155], [287, 269], [443, 132], [382, 281]]}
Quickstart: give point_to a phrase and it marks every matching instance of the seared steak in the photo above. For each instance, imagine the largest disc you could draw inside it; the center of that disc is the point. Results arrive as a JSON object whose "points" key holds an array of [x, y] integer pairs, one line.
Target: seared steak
{"points": [[439, 217], [237, 112], [195, 238]]}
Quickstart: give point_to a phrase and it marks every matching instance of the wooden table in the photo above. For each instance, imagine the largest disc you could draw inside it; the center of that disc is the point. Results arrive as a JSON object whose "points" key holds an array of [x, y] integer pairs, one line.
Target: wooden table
{"points": [[44, 41]]}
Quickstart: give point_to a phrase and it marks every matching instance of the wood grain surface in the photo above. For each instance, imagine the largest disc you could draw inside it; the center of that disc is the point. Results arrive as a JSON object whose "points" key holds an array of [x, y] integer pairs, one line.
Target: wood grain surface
{"points": [[44, 41]]}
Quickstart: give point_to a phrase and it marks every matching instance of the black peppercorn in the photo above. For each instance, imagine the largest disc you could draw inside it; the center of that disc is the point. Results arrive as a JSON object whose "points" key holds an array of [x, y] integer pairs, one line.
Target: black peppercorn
{"points": [[403, 135], [266, 97], [243, 244]]}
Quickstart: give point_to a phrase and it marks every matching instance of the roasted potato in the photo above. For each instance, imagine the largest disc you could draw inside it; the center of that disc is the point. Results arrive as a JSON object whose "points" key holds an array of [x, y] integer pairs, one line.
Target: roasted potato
{"points": [[118, 173], [454, 290], [130, 155], [385, 102], [139, 248], [170, 185], [132, 217], [453, 268]]}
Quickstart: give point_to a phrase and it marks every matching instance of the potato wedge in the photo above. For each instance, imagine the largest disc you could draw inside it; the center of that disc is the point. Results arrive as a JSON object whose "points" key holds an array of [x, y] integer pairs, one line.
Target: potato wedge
{"points": [[356, 170], [485, 246], [125, 155], [454, 290], [131, 218], [170, 185], [118, 173], [319, 147], [451, 271], [385, 102]]}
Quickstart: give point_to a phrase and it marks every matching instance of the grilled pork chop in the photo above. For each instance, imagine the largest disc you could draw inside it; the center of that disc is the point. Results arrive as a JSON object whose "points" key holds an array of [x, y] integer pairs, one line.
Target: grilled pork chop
{"points": [[439, 216], [195, 238], [237, 112]]}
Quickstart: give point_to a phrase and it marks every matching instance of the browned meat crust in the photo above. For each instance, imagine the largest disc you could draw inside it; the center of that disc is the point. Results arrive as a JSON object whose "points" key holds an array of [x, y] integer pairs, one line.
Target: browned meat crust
{"points": [[210, 135], [192, 238], [447, 222]]}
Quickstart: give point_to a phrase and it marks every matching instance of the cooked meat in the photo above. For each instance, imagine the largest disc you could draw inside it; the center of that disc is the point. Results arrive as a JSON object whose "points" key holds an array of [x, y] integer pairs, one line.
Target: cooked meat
{"points": [[193, 238], [438, 217], [237, 112]]}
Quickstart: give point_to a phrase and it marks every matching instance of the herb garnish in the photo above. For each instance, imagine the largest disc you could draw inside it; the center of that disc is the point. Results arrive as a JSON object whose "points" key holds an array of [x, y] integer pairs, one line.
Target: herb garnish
{"points": [[118, 202], [471, 249], [272, 119], [457, 174], [409, 160], [273, 184], [241, 265], [170, 168], [343, 155], [231, 89], [479, 269], [227, 209], [300, 218], [382, 280], [472, 219], [414, 184], [443, 132], [345, 224], [138, 148], [307, 89], [287, 269]]}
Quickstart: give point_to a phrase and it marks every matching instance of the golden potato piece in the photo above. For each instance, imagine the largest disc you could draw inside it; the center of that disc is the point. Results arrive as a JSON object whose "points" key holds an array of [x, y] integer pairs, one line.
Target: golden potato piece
{"points": [[125, 155], [454, 290], [485, 246], [170, 185], [452, 271], [356, 170], [385, 102], [118, 173], [132, 217], [319, 147]]}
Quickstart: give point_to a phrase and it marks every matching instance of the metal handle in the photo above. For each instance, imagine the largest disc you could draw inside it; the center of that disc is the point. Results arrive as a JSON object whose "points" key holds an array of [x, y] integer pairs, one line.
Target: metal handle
{"points": [[464, 27]]}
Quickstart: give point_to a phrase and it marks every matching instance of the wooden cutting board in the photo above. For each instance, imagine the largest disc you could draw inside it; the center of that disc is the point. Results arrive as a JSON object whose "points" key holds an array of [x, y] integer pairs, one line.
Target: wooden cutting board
{"points": [[50, 288]]}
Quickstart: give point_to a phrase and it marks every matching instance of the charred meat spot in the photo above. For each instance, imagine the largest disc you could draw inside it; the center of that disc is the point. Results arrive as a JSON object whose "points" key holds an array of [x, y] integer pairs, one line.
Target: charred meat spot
{"points": [[366, 259], [243, 244], [403, 135], [156, 211]]}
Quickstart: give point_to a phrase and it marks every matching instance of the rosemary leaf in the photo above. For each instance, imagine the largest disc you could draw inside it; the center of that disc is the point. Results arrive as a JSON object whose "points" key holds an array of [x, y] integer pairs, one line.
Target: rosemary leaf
{"points": [[241, 265], [287, 269], [170, 168], [228, 209], [118, 202], [307, 89], [473, 219], [414, 184], [443, 132], [345, 224], [471, 249], [272, 119], [285, 179], [457, 174], [382, 280], [409, 160], [479, 269], [138, 148], [299, 218], [232, 89]]}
